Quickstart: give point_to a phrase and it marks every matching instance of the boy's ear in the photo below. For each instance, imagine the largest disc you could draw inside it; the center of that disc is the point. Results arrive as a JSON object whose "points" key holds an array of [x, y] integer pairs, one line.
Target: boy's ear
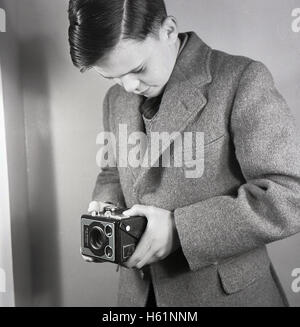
{"points": [[169, 30]]}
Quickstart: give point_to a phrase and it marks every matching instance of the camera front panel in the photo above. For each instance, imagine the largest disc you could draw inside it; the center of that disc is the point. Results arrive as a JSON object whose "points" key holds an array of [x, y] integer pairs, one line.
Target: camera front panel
{"points": [[98, 239]]}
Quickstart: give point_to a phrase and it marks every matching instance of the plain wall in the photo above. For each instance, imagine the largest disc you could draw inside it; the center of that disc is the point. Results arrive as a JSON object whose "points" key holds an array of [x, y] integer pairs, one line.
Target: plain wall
{"points": [[63, 116], [16, 227]]}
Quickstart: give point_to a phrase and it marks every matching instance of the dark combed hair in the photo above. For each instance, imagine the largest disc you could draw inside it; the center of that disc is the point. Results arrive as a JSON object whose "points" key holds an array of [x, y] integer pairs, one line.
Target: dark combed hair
{"points": [[96, 26]]}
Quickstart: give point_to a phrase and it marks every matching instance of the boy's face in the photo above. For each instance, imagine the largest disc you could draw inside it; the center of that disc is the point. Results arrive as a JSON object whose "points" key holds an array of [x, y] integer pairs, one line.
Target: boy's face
{"points": [[144, 67]]}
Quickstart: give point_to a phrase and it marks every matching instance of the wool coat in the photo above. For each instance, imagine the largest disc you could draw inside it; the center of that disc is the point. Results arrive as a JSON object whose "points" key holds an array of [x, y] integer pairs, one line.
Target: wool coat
{"points": [[247, 196]]}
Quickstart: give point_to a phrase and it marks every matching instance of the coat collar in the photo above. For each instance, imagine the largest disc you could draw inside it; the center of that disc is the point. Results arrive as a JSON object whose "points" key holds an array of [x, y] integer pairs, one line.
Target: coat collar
{"points": [[183, 95], [182, 100]]}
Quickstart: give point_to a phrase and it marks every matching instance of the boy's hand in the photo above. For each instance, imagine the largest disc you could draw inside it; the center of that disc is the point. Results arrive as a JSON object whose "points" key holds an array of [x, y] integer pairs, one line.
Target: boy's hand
{"points": [[159, 239], [90, 259], [97, 206]]}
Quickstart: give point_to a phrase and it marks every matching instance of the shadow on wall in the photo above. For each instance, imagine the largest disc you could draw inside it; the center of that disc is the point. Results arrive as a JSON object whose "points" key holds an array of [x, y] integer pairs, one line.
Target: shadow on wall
{"points": [[43, 229]]}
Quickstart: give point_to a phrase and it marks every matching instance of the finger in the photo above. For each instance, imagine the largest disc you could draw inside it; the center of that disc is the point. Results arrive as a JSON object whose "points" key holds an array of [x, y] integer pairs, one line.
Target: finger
{"points": [[90, 259], [93, 206], [84, 257], [140, 251], [97, 206], [87, 259], [148, 258], [137, 210], [103, 205], [137, 256]]}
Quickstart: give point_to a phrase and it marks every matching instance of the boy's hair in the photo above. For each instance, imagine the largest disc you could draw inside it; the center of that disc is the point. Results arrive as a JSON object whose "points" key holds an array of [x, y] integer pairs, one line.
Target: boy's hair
{"points": [[96, 26]]}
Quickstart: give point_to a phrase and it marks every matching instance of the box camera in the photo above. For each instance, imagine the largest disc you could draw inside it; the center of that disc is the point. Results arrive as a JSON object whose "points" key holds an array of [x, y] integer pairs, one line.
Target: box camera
{"points": [[110, 235]]}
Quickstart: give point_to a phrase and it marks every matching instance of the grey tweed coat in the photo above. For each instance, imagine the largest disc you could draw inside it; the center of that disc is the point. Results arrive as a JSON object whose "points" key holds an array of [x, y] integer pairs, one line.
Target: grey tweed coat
{"points": [[248, 195]]}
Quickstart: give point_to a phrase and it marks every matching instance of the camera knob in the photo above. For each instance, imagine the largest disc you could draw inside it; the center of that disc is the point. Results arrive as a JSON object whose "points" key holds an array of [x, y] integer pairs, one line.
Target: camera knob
{"points": [[107, 214]]}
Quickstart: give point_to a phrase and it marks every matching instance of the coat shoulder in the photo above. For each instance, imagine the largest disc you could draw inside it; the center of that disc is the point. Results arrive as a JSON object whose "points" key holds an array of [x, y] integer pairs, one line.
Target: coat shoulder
{"points": [[228, 66], [114, 92], [114, 95], [232, 72]]}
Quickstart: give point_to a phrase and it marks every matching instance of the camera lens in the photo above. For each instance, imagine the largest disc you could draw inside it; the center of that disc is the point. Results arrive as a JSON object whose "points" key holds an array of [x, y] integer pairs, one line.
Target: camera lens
{"points": [[97, 238], [108, 231], [108, 251]]}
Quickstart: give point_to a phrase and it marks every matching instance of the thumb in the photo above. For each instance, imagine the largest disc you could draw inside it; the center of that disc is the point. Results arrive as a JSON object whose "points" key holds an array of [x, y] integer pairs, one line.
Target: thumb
{"points": [[136, 210], [93, 206]]}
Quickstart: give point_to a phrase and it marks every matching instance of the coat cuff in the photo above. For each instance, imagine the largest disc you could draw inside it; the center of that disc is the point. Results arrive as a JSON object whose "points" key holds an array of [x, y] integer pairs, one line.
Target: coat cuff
{"points": [[191, 242]]}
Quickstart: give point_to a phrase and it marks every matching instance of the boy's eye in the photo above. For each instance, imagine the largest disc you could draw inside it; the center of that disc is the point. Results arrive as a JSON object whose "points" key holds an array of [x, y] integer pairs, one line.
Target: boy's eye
{"points": [[140, 70]]}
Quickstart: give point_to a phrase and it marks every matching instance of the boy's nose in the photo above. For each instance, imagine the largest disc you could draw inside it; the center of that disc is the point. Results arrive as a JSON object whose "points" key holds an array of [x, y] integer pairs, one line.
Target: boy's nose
{"points": [[130, 84]]}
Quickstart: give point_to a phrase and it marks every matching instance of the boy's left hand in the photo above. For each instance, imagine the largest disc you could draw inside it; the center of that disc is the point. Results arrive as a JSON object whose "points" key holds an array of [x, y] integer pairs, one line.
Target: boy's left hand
{"points": [[159, 239]]}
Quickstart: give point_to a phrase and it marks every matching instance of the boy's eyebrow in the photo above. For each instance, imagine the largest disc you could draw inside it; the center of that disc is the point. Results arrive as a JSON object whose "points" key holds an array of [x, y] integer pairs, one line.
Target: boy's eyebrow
{"points": [[132, 71]]}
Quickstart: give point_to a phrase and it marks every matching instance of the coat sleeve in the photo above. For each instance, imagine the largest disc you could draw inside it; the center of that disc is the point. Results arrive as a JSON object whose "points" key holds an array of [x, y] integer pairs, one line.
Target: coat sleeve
{"points": [[108, 187], [267, 207]]}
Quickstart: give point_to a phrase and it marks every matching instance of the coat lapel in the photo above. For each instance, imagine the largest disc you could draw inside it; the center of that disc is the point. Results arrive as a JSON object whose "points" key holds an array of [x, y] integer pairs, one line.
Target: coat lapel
{"points": [[129, 118], [182, 101]]}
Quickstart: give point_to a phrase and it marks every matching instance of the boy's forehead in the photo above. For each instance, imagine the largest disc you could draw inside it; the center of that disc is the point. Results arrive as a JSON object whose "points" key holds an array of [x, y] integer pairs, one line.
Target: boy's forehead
{"points": [[129, 47], [126, 56]]}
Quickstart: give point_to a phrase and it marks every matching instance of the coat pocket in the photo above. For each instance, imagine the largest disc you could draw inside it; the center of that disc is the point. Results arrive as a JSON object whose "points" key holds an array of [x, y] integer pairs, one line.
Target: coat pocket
{"points": [[239, 272]]}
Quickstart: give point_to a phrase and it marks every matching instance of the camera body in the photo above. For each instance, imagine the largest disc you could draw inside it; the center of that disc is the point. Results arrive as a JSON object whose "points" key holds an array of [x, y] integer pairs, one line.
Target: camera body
{"points": [[110, 235]]}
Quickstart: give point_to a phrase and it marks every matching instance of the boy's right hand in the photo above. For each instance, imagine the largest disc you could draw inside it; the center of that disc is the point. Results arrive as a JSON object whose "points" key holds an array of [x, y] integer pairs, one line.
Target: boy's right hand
{"points": [[97, 206], [90, 259]]}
